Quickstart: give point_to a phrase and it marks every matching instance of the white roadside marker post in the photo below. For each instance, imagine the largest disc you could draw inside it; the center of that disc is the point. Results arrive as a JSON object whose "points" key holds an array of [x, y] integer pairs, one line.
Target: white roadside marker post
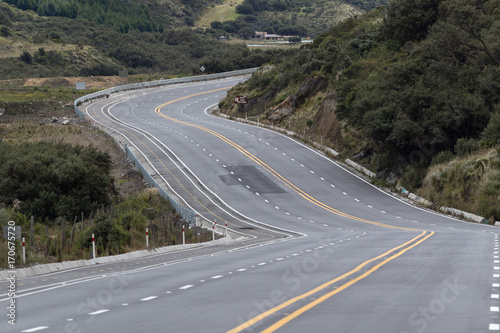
{"points": [[183, 236], [226, 230], [93, 248], [24, 252], [213, 231], [147, 237]]}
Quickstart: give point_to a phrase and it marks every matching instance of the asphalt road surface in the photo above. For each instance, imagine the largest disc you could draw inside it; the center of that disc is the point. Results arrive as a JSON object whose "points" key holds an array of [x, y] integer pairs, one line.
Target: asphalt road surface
{"points": [[326, 251]]}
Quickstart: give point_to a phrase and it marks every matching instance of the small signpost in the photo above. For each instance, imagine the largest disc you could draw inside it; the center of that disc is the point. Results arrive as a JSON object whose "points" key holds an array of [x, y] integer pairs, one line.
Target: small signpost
{"points": [[80, 85], [240, 99], [123, 73], [202, 69]]}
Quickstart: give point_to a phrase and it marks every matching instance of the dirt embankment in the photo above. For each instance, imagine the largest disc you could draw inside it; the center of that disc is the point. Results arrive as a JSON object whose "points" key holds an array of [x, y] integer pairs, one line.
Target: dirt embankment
{"points": [[93, 82]]}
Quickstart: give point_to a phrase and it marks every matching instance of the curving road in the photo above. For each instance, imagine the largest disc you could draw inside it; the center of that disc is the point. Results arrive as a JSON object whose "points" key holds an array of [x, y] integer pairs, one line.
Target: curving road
{"points": [[326, 251]]}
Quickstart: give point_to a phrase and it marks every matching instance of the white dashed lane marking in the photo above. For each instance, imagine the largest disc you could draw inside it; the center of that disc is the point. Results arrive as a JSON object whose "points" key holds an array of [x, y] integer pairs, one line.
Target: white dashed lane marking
{"points": [[98, 312], [39, 328]]}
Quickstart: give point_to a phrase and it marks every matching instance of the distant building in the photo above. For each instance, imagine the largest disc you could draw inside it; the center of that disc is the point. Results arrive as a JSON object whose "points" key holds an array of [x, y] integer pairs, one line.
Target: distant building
{"points": [[222, 38], [262, 35]]}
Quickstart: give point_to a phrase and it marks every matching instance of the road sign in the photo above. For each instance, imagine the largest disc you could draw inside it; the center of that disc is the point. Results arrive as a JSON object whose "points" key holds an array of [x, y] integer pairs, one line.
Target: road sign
{"points": [[202, 69], [240, 99], [80, 85]]}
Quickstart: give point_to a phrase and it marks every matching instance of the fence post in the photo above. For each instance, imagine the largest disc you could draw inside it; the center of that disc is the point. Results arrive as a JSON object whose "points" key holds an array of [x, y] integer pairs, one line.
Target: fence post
{"points": [[73, 232], [32, 230], [63, 233]]}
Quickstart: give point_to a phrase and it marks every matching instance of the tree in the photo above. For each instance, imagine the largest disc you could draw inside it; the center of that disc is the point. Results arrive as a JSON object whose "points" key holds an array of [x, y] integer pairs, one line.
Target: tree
{"points": [[492, 132], [26, 57], [246, 32], [294, 40], [216, 25], [410, 20], [5, 32], [244, 8]]}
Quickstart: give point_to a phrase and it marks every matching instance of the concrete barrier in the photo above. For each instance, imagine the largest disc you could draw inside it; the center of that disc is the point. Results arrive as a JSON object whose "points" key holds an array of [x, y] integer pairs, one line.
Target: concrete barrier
{"points": [[360, 168], [447, 210]]}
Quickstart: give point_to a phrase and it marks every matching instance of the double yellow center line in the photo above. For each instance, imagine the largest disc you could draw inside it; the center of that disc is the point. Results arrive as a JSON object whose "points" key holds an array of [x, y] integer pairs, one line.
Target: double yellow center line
{"points": [[266, 167], [379, 261]]}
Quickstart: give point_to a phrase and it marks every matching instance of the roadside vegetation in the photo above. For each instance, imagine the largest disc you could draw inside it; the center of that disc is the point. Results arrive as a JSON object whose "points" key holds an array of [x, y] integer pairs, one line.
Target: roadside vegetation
{"points": [[470, 182], [398, 89], [74, 181]]}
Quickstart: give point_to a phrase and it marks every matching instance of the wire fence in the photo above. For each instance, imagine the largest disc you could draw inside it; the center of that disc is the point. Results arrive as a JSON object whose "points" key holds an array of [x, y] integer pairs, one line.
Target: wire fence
{"points": [[187, 214]]}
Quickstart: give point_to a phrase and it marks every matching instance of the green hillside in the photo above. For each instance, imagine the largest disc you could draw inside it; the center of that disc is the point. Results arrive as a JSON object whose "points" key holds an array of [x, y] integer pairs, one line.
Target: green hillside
{"points": [[123, 15], [398, 89], [290, 17], [41, 46]]}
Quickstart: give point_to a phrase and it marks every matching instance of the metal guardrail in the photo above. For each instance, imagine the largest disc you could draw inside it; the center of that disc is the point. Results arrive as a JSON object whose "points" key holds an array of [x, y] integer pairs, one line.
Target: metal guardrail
{"points": [[142, 85], [188, 215]]}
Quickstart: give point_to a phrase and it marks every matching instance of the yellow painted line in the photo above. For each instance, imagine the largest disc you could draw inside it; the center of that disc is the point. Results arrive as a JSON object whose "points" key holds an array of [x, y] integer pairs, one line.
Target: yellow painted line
{"points": [[265, 314], [168, 170], [423, 236], [323, 298], [273, 172]]}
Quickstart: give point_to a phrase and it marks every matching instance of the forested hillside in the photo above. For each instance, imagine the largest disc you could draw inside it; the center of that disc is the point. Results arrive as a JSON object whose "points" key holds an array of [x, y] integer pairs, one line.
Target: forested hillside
{"points": [[123, 15], [39, 46], [293, 17], [399, 89]]}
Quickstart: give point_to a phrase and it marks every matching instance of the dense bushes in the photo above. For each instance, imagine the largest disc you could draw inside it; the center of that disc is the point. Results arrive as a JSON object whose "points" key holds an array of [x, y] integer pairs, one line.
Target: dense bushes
{"points": [[439, 92], [54, 180]]}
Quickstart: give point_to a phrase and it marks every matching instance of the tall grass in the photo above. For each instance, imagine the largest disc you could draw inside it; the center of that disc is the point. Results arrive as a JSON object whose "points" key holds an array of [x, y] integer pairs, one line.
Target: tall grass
{"points": [[471, 183]]}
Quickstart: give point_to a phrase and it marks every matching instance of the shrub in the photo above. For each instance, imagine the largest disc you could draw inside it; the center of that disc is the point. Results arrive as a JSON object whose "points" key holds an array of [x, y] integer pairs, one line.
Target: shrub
{"points": [[26, 57], [442, 157], [466, 146]]}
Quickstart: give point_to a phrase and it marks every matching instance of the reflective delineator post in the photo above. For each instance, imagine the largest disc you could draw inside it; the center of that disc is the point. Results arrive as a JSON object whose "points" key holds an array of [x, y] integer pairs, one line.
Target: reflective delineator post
{"points": [[183, 236], [24, 252], [213, 231], [147, 237], [226, 230], [93, 248]]}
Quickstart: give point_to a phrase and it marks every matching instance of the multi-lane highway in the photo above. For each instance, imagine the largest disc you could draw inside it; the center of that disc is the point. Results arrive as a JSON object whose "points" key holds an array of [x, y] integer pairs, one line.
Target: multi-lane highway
{"points": [[326, 251]]}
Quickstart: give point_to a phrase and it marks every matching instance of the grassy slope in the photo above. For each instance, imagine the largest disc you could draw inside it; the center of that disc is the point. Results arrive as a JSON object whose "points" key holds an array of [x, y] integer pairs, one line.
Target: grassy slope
{"points": [[226, 11], [470, 183]]}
